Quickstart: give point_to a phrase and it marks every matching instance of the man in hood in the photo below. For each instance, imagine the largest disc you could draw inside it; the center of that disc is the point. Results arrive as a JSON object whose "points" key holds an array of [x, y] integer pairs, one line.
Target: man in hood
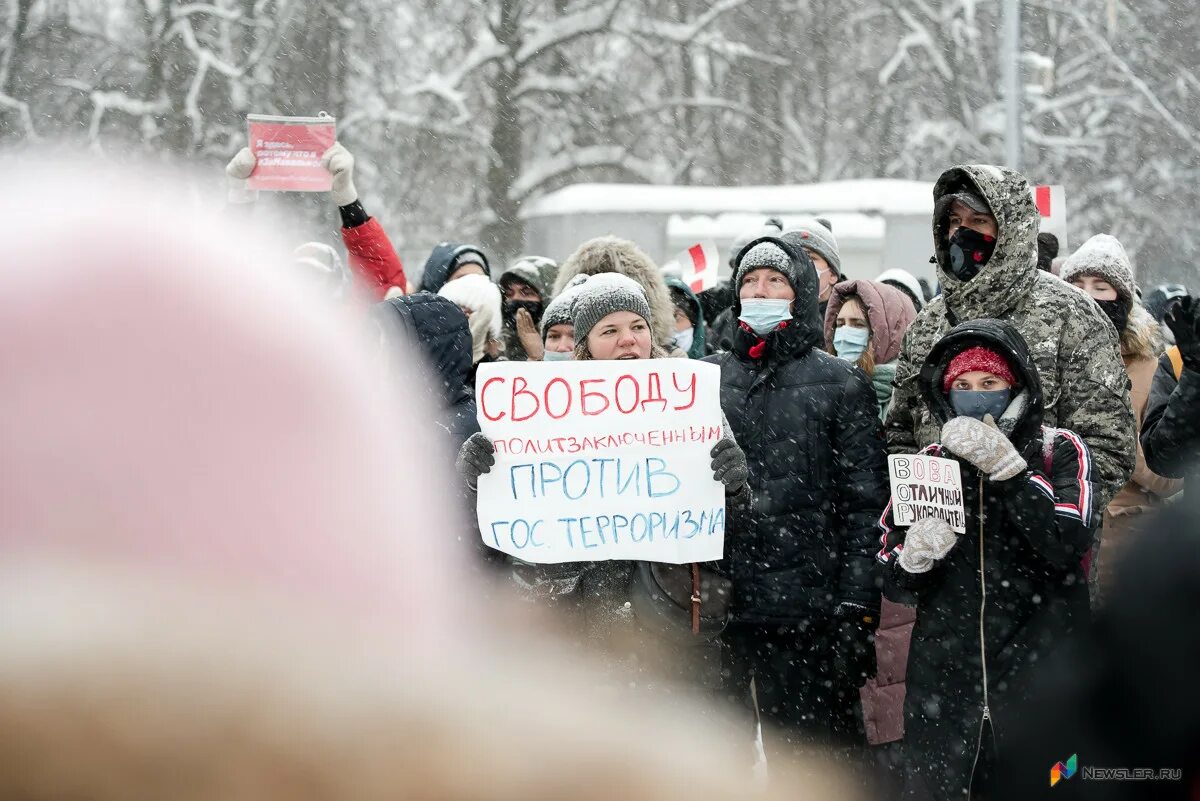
{"points": [[450, 260], [985, 229], [526, 290], [804, 594]]}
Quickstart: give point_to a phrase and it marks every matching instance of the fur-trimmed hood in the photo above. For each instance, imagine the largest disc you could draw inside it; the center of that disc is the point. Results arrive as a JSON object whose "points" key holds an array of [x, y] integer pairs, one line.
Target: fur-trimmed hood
{"points": [[608, 254], [1142, 337]]}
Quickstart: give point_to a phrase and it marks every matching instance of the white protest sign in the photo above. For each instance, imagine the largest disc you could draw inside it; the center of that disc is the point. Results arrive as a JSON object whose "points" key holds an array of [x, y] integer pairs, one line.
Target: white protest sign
{"points": [[1051, 202], [927, 486], [599, 460]]}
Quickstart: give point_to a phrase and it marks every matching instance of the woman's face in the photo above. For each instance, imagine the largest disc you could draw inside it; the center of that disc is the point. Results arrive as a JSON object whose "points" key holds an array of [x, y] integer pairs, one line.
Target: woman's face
{"points": [[1098, 288], [853, 314], [561, 338], [980, 381], [620, 335], [682, 323]]}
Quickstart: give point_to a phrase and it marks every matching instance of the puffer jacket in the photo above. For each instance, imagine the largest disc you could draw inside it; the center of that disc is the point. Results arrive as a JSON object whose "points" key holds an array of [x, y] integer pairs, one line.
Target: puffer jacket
{"points": [[1084, 385], [1170, 433], [438, 328], [1009, 592], [809, 425]]}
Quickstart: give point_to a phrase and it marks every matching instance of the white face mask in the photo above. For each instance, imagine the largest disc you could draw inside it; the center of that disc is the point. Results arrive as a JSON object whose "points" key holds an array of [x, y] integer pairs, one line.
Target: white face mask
{"points": [[684, 339], [764, 315], [557, 356]]}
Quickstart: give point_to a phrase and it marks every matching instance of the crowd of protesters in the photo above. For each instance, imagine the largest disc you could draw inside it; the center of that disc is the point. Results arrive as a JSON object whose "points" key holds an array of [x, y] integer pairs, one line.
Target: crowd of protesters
{"points": [[917, 655], [907, 649]]}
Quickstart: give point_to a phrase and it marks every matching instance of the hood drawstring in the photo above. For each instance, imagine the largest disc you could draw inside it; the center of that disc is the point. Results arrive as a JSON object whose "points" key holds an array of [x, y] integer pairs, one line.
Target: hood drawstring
{"points": [[759, 349]]}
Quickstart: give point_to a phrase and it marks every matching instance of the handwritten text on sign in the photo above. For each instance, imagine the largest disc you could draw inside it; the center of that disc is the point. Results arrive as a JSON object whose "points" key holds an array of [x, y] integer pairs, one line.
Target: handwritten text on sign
{"points": [[927, 486], [599, 460]]}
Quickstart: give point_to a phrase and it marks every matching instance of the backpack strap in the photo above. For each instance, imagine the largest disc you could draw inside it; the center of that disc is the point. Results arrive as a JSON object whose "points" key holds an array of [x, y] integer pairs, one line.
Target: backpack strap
{"points": [[1176, 361]]}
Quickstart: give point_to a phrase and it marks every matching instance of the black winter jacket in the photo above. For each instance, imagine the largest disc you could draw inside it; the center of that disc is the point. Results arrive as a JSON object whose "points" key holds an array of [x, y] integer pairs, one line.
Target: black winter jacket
{"points": [[809, 424], [438, 328], [1171, 425], [1030, 533]]}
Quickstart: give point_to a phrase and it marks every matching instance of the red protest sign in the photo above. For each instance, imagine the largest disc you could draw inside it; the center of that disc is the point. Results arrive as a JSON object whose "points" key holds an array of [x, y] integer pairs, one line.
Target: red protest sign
{"points": [[288, 152]]}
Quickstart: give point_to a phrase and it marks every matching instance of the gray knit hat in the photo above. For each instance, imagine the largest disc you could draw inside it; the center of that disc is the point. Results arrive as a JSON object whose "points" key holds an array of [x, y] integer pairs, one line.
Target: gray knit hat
{"points": [[558, 311], [1102, 256], [816, 235], [601, 295], [766, 255]]}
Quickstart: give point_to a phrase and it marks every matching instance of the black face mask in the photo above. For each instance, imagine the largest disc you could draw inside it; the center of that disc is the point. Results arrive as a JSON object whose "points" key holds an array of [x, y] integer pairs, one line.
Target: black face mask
{"points": [[1117, 311], [534, 307], [969, 252]]}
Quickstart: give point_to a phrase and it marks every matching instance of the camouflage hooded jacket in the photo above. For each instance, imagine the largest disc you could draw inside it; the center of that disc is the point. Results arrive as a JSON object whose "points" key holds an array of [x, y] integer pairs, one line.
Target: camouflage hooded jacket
{"points": [[1073, 345]]}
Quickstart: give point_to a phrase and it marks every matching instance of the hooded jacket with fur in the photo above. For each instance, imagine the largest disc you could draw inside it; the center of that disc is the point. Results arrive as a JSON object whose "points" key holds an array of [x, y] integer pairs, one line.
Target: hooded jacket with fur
{"points": [[1071, 341], [608, 254]]}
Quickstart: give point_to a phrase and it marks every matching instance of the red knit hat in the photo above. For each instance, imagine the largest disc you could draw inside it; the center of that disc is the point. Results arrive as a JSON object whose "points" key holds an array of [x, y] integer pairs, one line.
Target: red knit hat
{"points": [[977, 358]]}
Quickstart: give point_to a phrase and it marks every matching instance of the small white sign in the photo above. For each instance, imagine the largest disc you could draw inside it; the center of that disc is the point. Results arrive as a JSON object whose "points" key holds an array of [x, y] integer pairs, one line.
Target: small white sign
{"points": [[600, 460], [927, 486]]}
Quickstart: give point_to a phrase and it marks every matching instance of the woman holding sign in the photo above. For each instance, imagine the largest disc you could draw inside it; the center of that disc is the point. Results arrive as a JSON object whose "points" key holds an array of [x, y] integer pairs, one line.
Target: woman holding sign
{"points": [[612, 321], [996, 598]]}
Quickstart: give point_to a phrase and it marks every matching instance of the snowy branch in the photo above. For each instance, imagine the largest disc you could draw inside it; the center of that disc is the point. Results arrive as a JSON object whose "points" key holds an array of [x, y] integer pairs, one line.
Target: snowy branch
{"points": [[22, 110], [447, 85], [566, 29]]}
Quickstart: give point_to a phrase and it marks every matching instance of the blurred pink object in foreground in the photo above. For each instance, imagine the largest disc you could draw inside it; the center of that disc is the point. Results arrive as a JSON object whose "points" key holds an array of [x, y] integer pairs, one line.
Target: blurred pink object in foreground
{"points": [[177, 403]]}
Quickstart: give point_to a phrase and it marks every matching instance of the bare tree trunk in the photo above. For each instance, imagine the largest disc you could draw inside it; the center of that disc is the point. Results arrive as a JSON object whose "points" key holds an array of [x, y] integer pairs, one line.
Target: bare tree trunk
{"points": [[503, 235]]}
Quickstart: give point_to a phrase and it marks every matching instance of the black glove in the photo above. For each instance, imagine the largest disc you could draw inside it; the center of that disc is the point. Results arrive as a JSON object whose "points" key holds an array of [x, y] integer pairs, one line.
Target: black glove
{"points": [[729, 465], [1184, 322], [853, 644], [476, 457]]}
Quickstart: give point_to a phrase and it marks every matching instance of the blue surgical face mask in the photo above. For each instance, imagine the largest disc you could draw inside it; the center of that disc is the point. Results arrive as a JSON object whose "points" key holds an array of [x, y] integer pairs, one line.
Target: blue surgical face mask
{"points": [[684, 339], [557, 356], [977, 403], [764, 315], [850, 343]]}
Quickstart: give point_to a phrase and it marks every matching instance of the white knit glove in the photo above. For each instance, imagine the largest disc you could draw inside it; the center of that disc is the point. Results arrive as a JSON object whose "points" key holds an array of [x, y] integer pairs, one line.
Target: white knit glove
{"points": [[984, 445], [340, 164], [237, 171], [928, 540]]}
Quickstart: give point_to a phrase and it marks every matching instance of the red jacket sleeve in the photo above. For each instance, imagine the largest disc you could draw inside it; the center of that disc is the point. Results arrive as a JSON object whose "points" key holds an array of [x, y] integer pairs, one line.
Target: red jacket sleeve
{"points": [[373, 259]]}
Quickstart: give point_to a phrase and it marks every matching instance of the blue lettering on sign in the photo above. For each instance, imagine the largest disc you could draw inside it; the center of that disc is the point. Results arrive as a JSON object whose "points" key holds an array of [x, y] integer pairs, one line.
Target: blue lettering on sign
{"points": [[583, 481], [521, 533], [512, 478], [545, 478], [570, 521], [657, 468], [584, 531]]}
